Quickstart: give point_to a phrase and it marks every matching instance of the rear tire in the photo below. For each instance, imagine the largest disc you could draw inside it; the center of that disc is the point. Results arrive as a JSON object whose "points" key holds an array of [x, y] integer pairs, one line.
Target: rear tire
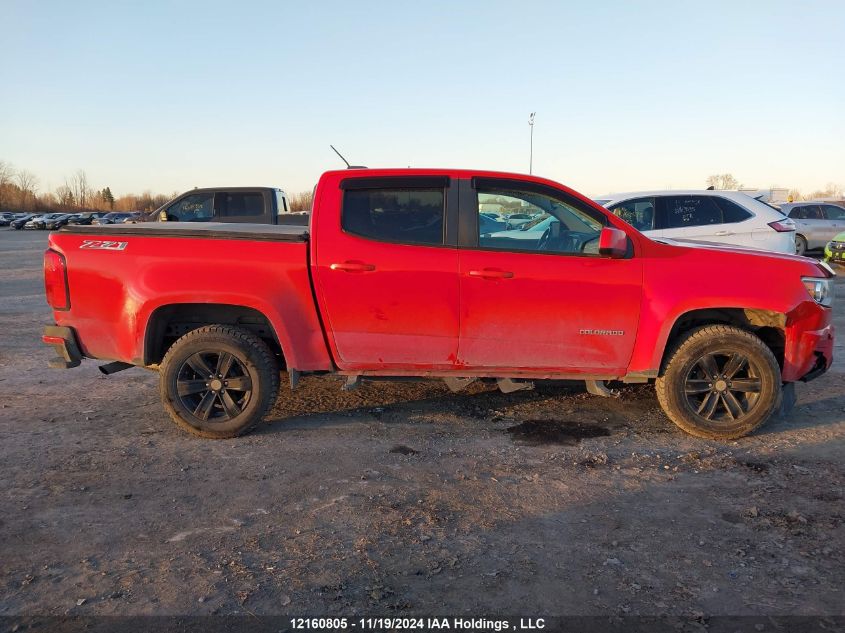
{"points": [[800, 245], [218, 381], [720, 382]]}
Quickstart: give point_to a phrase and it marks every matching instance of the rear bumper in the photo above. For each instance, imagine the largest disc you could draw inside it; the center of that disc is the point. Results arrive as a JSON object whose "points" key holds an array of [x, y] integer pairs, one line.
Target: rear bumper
{"points": [[63, 340]]}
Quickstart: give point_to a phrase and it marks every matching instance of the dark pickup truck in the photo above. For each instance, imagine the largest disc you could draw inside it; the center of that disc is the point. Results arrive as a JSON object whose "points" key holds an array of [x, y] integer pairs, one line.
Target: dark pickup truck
{"points": [[253, 205]]}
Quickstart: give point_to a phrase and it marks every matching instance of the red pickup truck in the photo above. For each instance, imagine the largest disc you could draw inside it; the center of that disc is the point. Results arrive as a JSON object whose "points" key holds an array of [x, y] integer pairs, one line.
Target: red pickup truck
{"points": [[396, 275]]}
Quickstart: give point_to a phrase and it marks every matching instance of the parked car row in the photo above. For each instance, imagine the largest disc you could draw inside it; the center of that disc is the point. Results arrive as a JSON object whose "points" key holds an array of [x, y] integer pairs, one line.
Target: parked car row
{"points": [[118, 218], [53, 221], [6, 218]]}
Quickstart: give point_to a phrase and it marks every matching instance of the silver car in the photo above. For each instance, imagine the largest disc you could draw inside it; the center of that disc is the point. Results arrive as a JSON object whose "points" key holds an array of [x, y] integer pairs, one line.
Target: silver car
{"points": [[816, 223]]}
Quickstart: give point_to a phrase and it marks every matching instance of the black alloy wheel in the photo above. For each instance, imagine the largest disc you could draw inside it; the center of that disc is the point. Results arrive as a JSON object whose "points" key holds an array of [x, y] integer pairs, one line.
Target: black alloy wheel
{"points": [[722, 386], [214, 386]]}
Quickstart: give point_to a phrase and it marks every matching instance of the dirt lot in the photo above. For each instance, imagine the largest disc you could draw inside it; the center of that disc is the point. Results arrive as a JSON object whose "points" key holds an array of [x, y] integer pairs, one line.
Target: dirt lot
{"points": [[401, 498]]}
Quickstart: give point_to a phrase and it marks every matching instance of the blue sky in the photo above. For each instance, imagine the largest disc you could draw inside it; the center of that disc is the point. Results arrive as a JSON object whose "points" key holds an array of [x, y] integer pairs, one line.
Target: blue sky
{"points": [[171, 95]]}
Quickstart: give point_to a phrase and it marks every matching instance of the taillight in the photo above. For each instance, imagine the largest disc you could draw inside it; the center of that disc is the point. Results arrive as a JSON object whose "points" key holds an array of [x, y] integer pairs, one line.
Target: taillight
{"points": [[55, 280], [783, 226]]}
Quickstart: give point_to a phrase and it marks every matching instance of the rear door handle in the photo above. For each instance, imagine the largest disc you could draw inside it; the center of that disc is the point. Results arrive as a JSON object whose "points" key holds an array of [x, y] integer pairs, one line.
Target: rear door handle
{"points": [[491, 273], [723, 233], [353, 267]]}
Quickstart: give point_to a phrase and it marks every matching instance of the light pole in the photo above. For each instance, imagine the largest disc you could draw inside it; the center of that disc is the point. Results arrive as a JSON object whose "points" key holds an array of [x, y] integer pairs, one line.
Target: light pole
{"points": [[531, 151]]}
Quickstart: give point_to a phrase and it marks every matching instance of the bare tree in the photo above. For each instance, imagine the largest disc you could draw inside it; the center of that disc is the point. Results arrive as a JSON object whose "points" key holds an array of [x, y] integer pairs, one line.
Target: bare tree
{"points": [[46, 202], [7, 173], [301, 201], [832, 190], [78, 186], [723, 181], [28, 184], [64, 194]]}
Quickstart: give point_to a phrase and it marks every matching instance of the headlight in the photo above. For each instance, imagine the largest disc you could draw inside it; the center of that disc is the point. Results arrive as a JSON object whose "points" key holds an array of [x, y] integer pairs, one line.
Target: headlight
{"points": [[821, 290]]}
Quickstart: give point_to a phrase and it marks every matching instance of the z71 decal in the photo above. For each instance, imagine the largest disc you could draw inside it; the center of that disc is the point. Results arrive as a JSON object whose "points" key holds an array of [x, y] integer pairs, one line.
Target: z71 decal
{"points": [[103, 245]]}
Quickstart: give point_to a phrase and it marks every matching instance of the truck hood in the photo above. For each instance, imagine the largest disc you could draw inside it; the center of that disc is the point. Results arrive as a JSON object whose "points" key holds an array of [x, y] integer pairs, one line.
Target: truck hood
{"points": [[716, 248], [732, 248]]}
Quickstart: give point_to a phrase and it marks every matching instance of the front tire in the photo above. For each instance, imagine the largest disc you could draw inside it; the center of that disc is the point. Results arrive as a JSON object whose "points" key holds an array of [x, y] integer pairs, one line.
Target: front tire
{"points": [[218, 381], [720, 382]]}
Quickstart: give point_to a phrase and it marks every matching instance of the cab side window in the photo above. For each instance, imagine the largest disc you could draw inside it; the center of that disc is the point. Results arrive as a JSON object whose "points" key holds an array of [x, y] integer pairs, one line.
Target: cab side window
{"points": [[407, 216], [684, 211], [238, 204], [281, 203], [192, 208]]}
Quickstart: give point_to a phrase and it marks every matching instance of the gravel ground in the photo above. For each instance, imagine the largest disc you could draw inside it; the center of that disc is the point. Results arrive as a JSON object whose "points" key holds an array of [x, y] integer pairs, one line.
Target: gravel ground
{"points": [[401, 498]]}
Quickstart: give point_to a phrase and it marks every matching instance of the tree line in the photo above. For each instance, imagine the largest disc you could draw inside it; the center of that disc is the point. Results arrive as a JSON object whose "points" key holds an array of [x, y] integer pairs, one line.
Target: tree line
{"points": [[728, 182], [19, 191]]}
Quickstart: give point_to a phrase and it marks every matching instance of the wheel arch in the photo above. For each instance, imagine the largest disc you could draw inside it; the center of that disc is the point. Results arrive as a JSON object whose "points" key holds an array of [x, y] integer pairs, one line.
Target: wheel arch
{"points": [[768, 325], [170, 321]]}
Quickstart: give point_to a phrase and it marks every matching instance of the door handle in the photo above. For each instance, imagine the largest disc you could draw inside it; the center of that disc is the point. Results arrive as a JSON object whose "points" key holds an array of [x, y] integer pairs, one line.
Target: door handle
{"points": [[723, 233], [490, 273], [353, 267]]}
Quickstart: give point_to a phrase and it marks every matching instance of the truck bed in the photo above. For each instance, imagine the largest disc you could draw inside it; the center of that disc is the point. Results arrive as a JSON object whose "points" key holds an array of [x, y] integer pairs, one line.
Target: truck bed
{"points": [[119, 276], [207, 230]]}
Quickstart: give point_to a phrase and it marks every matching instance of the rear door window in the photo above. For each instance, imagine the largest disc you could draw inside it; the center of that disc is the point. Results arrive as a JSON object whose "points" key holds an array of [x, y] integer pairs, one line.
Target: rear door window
{"points": [[239, 205], [731, 211], [832, 212], [408, 216], [685, 211]]}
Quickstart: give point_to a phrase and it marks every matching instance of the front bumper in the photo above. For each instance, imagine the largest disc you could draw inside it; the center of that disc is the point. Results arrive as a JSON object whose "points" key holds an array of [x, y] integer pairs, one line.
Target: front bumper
{"points": [[63, 340], [817, 356]]}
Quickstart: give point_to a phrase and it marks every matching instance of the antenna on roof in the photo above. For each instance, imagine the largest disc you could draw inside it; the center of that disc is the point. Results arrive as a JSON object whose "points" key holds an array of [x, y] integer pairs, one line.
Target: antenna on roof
{"points": [[348, 166], [341, 156]]}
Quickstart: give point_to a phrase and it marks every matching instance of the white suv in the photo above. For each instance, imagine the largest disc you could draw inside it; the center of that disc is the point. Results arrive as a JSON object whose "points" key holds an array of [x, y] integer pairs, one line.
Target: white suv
{"points": [[725, 217]]}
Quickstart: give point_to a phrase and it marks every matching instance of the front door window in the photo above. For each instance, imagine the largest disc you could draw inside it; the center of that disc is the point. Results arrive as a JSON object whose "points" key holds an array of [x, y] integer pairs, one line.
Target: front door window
{"points": [[536, 222]]}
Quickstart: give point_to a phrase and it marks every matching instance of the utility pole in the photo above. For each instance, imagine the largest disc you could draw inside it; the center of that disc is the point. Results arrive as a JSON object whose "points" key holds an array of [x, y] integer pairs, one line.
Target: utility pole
{"points": [[531, 151]]}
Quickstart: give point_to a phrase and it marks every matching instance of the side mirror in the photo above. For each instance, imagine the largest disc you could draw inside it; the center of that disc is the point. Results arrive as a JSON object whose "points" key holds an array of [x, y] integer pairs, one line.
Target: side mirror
{"points": [[613, 243], [162, 216]]}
